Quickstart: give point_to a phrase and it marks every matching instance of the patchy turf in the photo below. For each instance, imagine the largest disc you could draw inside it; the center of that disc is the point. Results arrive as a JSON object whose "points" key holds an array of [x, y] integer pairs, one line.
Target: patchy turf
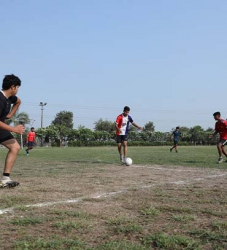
{"points": [[83, 199]]}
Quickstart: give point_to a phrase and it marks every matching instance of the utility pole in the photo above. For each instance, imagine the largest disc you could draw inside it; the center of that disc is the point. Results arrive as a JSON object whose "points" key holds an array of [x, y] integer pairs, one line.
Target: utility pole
{"points": [[42, 104]]}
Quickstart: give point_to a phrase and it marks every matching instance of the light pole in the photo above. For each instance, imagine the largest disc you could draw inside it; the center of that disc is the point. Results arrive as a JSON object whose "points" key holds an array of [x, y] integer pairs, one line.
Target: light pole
{"points": [[42, 104]]}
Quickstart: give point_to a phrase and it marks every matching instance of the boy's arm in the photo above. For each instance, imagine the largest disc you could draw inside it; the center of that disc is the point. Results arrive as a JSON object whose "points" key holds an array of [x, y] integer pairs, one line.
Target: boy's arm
{"points": [[19, 129], [135, 125], [14, 108], [213, 134], [35, 139]]}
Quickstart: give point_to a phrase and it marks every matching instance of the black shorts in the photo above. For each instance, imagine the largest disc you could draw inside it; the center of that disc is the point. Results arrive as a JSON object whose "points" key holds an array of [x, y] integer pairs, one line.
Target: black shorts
{"points": [[5, 135], [30, 144], [223, 142], [175, 142], [122, 138]]}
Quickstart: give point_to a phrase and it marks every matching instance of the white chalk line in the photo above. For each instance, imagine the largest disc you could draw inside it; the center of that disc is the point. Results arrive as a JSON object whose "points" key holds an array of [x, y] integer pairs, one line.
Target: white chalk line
{"points": [[171, 169], [106, 195]]}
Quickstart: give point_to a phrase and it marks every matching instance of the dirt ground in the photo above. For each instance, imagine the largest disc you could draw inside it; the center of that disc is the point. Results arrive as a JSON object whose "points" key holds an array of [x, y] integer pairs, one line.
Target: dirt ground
{"points": [[151, 199]]}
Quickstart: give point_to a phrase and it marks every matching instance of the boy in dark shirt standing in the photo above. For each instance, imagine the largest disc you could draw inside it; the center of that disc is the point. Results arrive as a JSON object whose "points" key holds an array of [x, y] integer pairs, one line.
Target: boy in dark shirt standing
{"points": [[175, 137], [10, 86]]}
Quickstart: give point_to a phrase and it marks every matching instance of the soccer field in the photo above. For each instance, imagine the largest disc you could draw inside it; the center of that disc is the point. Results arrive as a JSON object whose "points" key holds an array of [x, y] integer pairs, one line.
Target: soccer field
{"points": [[82, 198]]}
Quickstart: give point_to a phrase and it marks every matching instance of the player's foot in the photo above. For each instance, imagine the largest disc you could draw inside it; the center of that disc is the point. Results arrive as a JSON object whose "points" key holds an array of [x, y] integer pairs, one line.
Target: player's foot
{"points": [[170, 150], [220, 160], [8, 183], [121, 158], [123, 161], [176, 151], [27, 153], [226, 161]]}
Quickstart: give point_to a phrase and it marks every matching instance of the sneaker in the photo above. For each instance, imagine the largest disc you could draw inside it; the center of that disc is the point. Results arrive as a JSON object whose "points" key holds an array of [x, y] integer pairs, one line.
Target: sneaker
{"points": [[220, 160], [170, 150], [176, 151], [8, 183], [26, 152]]}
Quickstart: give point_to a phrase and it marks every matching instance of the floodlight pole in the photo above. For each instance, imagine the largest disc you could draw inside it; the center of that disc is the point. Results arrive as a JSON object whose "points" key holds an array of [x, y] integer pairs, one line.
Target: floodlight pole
{"points": [[42, 104]]}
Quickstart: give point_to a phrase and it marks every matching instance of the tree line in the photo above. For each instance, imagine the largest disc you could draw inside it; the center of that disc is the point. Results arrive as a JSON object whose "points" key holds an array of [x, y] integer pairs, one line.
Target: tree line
{"points": [[61, 133]]}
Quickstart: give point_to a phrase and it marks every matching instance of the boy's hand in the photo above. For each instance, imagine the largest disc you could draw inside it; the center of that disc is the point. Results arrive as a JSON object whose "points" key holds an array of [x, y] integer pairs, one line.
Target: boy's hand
{"points": [[19, 129]]}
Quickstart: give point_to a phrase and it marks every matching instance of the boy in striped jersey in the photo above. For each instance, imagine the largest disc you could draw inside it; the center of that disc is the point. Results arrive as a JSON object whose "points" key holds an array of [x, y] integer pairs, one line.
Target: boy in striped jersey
{"points": [[122, 130]]}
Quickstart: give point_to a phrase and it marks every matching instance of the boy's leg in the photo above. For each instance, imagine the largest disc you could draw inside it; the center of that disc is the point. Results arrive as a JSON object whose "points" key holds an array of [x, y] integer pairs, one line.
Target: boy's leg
{"points": [[119, 147], [125, 144], [30, 147], [219, 147], [174, 146], [14, 148], [224, 142]]}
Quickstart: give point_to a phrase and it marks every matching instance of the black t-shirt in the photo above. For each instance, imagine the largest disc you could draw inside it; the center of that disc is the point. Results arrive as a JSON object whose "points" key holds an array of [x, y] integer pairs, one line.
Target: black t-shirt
{"points": [[5, 105]]}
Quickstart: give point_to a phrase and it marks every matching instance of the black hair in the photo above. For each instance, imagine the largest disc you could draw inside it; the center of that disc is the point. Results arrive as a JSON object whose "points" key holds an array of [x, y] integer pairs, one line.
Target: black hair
{"points": [[216, 113], [10, 80], [177, 127], [32, 128], [126, 108]]}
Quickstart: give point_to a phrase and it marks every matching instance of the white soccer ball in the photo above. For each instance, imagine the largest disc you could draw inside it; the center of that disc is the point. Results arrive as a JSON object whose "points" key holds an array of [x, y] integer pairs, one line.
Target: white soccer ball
{"points": [[128, 161]]}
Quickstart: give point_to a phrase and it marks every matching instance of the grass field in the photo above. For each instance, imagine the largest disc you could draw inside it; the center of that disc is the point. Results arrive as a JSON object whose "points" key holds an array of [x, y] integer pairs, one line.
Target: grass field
{"points": [[82, 198]]}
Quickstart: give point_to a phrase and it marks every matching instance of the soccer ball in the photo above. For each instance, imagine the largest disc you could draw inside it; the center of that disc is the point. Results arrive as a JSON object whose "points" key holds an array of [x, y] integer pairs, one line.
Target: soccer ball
{"points": [[128, 161]]}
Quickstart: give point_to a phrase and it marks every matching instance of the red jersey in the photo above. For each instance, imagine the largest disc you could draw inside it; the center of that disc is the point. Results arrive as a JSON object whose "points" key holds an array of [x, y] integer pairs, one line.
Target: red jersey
{"points": [[31, 136], [221, 128]]}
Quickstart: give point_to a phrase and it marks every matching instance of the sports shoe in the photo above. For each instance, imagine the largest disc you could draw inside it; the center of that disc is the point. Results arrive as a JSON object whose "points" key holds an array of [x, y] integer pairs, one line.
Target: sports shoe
{"points": [[170, 150], [220, 160], [7, 182], [26, 152]]}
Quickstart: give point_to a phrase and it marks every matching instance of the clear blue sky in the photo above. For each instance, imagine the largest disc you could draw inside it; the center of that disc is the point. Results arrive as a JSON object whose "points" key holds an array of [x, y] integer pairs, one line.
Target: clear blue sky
{"points": [[167, 60]]}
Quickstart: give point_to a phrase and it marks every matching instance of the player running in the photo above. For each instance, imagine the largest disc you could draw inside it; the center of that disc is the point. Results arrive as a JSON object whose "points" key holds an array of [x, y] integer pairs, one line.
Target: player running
{"points": [[221, 129], [122, 129], [175, 137], [30, 140], [10, 86]]}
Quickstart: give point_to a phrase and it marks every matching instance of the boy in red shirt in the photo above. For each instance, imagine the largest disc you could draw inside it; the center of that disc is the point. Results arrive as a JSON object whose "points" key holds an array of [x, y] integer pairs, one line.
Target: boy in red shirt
{"points": [[221, 128], [30, 140]]}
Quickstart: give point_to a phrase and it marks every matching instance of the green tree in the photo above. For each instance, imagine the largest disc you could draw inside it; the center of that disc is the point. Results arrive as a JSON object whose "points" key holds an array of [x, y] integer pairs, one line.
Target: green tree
{"points": [[63, 118], [149, 127], [19, 118], [197, 135], [63, 124], [106, 125]]}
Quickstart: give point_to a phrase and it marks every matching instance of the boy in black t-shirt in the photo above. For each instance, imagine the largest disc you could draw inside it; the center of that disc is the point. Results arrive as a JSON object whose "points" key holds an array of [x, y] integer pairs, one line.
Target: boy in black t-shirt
{"points": [[8, 97]]}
